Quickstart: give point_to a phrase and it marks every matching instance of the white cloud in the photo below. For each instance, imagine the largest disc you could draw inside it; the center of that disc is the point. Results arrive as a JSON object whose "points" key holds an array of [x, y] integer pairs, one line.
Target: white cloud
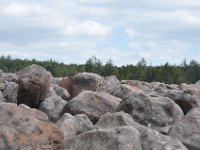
{"points": [[87, 28], [131, 33], [17, 9]]}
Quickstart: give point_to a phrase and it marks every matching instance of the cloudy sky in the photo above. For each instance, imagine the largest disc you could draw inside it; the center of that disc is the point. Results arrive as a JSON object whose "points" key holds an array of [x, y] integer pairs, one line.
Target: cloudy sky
{"points": [[71, 31]]}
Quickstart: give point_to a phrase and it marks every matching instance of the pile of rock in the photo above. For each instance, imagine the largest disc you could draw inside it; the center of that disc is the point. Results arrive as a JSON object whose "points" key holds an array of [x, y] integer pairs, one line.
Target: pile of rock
{"points": [[90, 112]]}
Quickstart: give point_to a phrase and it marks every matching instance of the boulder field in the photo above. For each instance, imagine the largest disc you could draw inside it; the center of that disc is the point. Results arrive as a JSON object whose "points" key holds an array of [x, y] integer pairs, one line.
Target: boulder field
{"points": [[90, 112]]}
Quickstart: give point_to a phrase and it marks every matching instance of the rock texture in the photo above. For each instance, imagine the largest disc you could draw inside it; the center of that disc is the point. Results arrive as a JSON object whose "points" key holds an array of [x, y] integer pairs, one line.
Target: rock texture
{"points": [[188, 130], [150, 139], [10, 77], [63, 93], [121, 138], [153, 140], [74, 125], [93, 104], [53, 107], [112, 120], [156, 112], [81, 82], [9, 91], [34, 82], [26, 129]]}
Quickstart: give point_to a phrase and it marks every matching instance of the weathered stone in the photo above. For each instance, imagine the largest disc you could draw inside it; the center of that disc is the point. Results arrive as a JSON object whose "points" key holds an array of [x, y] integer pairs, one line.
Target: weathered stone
{"points": [[9, 91], [188, 130], [144, 86], [26, 129], [112, 85], [51, 92], [186, 99], [93, 104], [126, 91], [10, 77], [53, 106], [2, 99], [157, 112], [74, 125], [34, 82], [150, 139], [153, 140], [120, 138], [66, 83], [63, 93], [112, 120], [86, 81]]}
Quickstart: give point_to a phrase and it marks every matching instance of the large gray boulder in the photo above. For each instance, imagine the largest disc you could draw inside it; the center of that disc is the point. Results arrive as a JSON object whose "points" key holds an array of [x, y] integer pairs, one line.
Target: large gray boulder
{"points": [[74, 125], [23, 128], [117, 119], [120, 138], [114, 87], [153, 140], [34, 83], [156, 112], [186, 99], [53, 107], [63, 93], [93, 104], [144, 86], [9, 91], [188, 130]]}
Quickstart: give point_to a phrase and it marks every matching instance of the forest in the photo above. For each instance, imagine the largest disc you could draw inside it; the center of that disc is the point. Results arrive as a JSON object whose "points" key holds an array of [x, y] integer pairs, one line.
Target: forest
{"points": [[187, 72]]}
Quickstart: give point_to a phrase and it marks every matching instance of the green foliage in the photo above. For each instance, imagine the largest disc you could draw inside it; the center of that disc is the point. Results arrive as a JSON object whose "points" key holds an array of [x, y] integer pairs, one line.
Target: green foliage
{"points": [[185, 72]]}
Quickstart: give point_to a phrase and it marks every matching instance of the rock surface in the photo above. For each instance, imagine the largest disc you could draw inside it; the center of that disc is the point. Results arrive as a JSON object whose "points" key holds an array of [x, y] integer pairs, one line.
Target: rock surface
{"points": [[86, 81], [34, 83], [150, 139], [10, 77], [53, 107], [157, 112], [186, 99], [2, 99], [9, 91], [63, 93], [93, 104], [188, 130], [153, 140], [26, 129], [74, 125], [112, 120], [121, 138]]}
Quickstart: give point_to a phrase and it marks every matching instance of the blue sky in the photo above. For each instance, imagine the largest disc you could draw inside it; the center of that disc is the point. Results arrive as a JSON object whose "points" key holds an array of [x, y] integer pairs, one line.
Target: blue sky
{"points": [[124, 31]]}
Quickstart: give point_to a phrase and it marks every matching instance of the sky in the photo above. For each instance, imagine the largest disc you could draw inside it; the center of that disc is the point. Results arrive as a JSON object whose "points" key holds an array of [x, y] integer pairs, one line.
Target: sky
{"points": [[72, 31]]}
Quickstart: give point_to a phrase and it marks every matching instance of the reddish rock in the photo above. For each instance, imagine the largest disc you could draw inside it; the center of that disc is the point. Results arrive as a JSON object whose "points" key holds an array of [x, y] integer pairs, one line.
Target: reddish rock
{"points": [[26, 129], [82, 81]]}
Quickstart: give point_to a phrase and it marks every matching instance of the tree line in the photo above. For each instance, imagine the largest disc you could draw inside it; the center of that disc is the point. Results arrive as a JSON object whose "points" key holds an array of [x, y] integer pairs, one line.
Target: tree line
{"points": [[184, 72]]}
